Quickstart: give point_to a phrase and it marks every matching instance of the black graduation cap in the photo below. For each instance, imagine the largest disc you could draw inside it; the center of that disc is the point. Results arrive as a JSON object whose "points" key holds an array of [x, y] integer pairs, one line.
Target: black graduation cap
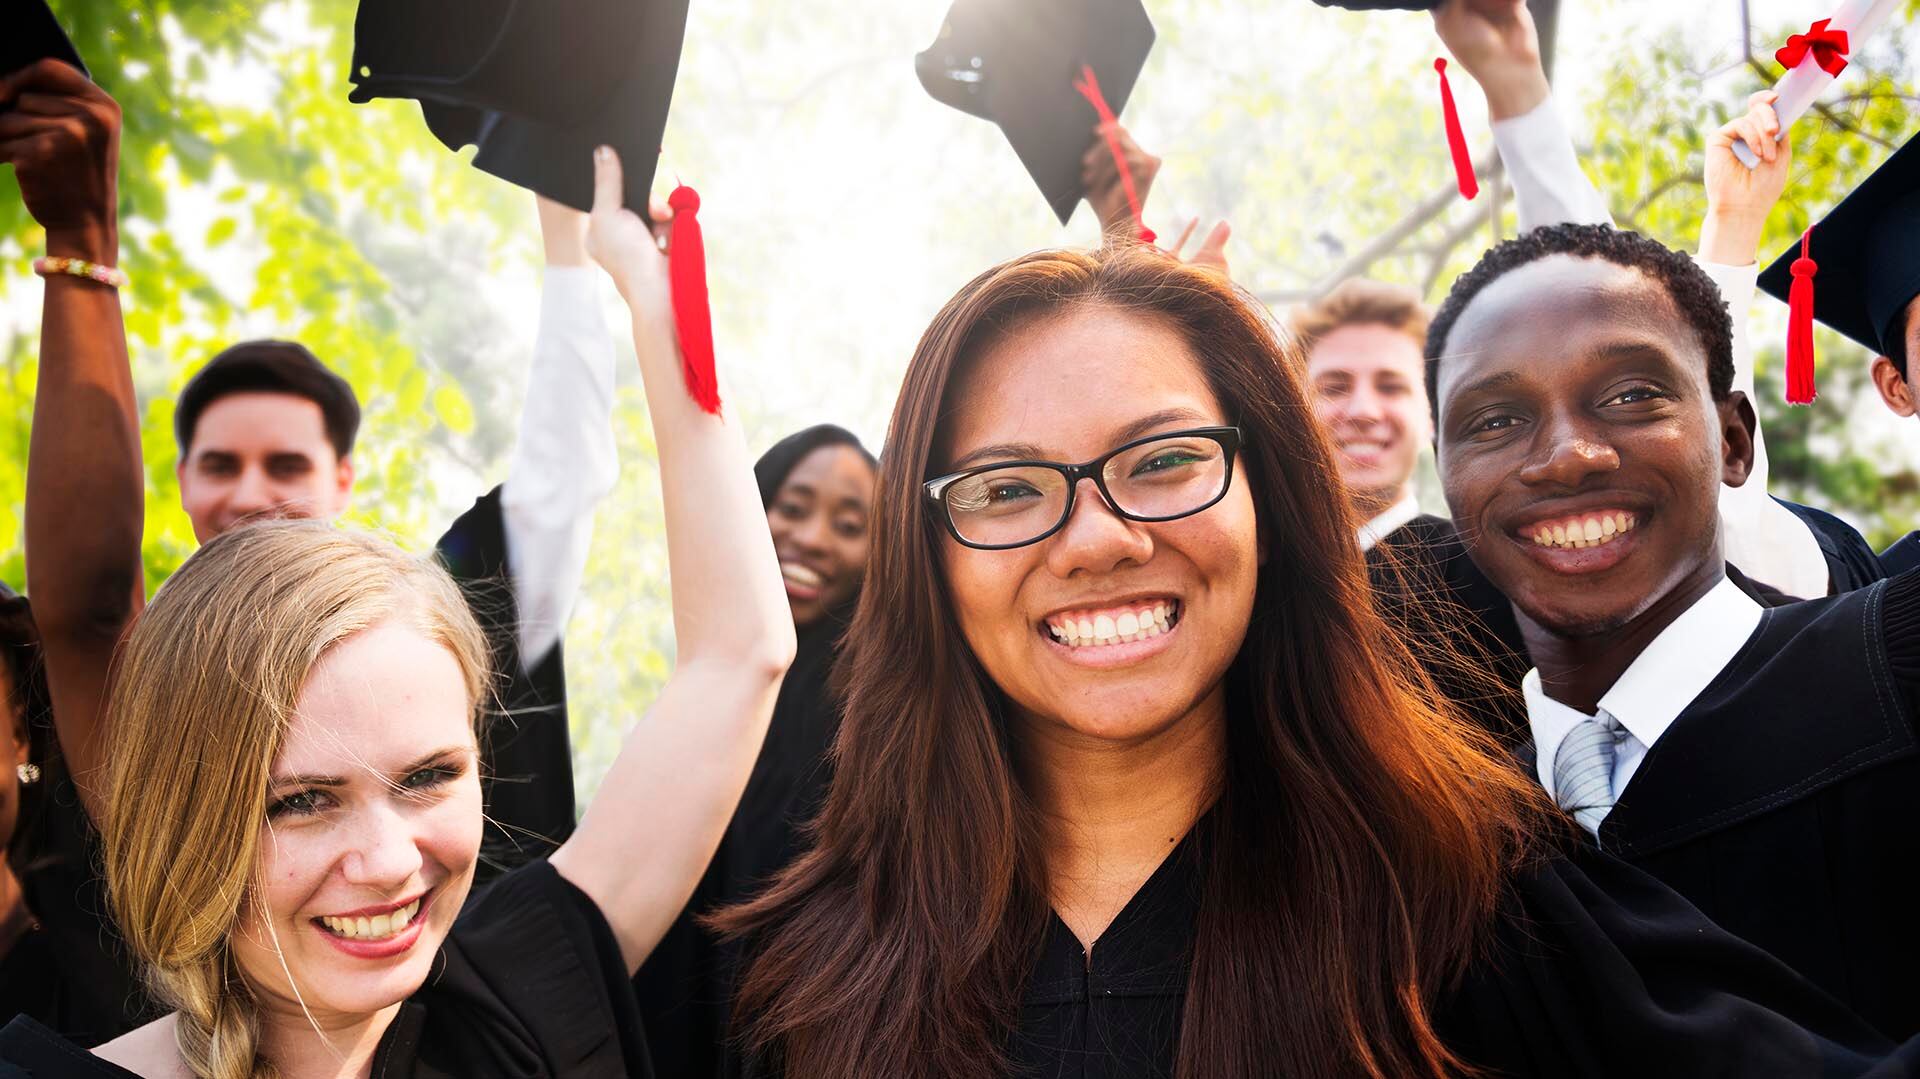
{"points": [[1381, 5], [29, 33], [1868, 253], [1015, 62], [535, 84]]}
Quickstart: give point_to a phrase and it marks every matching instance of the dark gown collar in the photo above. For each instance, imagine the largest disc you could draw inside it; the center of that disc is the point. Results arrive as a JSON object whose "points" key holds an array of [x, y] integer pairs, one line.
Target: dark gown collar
{"points": [[1147, 950], [1809, 701]]}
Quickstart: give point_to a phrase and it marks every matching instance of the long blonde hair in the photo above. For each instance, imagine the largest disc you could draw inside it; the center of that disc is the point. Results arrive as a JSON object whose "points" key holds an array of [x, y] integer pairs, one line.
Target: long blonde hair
{"points": [[203, 693]]}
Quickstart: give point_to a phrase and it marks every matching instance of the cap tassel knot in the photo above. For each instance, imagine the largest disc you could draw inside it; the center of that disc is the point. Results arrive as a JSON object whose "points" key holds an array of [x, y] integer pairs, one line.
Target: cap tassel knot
{"points": [[1089, 87], [1800, 389], [687, 275], [1456, 138]]}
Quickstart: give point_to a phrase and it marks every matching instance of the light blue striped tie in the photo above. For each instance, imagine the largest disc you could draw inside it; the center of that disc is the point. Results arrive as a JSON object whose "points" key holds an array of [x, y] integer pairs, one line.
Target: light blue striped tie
{"points": [[1583, 770]]}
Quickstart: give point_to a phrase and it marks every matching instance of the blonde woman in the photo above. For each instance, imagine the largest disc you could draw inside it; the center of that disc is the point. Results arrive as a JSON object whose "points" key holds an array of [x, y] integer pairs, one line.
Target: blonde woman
{"points": [[294, 811]]}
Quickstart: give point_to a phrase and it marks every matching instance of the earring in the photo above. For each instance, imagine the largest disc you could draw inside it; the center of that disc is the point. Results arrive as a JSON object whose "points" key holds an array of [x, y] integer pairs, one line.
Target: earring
{"points": [[28, 773]]}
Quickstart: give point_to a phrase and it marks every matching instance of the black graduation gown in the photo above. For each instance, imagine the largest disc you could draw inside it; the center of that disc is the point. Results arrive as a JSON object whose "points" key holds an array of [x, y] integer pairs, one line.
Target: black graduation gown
{"points": [[73, 972], [1851, 562], [1785, 800], [1427, 583], [526, 756], [686, 983], [530, 984], [1593, 971], [1902, 556]]}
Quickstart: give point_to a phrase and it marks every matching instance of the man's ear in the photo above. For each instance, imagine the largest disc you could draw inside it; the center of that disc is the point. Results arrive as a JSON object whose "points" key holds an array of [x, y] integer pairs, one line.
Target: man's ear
{"points": [[1737, 424], [343, 491], [1894, 391]]}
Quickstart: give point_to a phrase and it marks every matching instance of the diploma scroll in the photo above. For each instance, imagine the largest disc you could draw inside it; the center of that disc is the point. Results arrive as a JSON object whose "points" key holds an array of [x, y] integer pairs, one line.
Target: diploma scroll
{"points": [[1801, 87]]}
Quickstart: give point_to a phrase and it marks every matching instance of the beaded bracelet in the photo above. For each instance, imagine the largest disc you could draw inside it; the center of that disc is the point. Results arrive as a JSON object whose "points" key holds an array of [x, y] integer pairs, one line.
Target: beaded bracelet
{"points": [[110, 276]]}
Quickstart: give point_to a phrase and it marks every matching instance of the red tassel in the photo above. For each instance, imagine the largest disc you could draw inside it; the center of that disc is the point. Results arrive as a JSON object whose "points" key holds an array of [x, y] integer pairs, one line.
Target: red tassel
{"points": [[1456, 138], [687, 274], [1089, 88], [1800, 326]]}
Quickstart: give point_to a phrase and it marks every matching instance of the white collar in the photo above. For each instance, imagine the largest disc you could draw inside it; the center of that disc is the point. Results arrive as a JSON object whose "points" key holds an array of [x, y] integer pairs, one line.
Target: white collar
{"points": [[1388, 519], [1662, 680]]}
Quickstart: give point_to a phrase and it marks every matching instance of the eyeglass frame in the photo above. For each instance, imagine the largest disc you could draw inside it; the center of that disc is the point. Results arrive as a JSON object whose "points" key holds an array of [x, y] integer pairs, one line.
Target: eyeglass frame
{"points": [[1230, 439]]}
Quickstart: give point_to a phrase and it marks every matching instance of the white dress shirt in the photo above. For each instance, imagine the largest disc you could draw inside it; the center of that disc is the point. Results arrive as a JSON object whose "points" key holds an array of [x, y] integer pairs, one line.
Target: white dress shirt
{"points": [[1387, 520], [564, 460], [1661, 682], [1759, 535], [1548, 186]]}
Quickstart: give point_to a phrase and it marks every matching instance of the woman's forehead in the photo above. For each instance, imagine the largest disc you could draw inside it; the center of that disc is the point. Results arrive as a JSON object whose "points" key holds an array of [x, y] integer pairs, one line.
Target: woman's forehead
{"points": [[378, 699], [1068, 383]]}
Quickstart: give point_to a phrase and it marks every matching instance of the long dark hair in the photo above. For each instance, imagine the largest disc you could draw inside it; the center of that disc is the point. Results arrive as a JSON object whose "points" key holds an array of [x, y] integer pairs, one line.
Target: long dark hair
{"points": [[22, 668], [1350, 866]]}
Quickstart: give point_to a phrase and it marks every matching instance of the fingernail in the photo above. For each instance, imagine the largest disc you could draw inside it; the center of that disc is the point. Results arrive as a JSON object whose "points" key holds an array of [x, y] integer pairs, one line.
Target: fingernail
{"points": [[602, 153]]}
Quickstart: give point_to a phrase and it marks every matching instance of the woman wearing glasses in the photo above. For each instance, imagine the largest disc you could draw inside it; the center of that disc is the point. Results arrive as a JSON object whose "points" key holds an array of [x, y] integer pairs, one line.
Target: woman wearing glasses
{"points": [[1133, 780]]}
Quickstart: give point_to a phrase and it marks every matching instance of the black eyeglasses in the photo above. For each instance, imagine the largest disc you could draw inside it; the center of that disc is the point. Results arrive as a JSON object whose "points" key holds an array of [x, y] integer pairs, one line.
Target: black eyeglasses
{"points": [[1157, 478]]}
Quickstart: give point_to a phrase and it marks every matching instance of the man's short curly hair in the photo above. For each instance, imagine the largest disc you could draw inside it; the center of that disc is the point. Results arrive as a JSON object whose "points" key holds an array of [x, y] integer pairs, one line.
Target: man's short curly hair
{"points": [[1701, 306]]}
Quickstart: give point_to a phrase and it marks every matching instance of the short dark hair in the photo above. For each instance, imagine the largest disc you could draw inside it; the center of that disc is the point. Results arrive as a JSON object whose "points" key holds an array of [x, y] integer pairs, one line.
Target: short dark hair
{"points": [[1701, 306], [271, 367]]}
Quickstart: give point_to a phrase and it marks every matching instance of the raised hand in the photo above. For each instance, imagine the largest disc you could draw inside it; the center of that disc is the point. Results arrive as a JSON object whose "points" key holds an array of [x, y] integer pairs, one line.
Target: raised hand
{"points": [[1212, 253], [61, 133], [1739, 198], [632, 252], [1101, 180], [1495, 40]]}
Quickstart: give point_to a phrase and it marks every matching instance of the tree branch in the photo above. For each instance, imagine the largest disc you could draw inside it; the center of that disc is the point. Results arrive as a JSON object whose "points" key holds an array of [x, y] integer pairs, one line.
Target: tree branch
{"points": [[1388, 242]]}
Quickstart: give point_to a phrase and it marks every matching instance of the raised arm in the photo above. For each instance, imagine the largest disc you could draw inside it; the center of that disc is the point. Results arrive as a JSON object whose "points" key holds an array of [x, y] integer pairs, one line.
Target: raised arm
{"points": [[1498, 44], [564, 462], [1763, 538], [666, 801], [85, 486]]}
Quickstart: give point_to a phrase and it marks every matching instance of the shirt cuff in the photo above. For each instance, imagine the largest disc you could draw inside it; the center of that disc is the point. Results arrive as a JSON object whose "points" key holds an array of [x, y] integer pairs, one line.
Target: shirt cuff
{"points": [[1548, 186]]}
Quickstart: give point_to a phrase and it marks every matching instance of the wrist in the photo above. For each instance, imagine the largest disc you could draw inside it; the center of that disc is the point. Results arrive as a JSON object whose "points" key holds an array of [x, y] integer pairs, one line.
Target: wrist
{"points": [[563, 234], [99, 242], [1730, 238], [1514, 97]]}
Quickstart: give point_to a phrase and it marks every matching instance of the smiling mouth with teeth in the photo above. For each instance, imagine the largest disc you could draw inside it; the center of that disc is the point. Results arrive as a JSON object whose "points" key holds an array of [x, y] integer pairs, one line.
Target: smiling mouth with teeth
{"points": [[1587, 530], [1118, 625], [378, 927]]}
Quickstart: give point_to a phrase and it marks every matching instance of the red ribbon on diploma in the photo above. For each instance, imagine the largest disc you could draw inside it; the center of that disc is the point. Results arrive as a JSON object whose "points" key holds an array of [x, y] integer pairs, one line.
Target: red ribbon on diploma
{"points": [[1829, 48], [1089, 88]]}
